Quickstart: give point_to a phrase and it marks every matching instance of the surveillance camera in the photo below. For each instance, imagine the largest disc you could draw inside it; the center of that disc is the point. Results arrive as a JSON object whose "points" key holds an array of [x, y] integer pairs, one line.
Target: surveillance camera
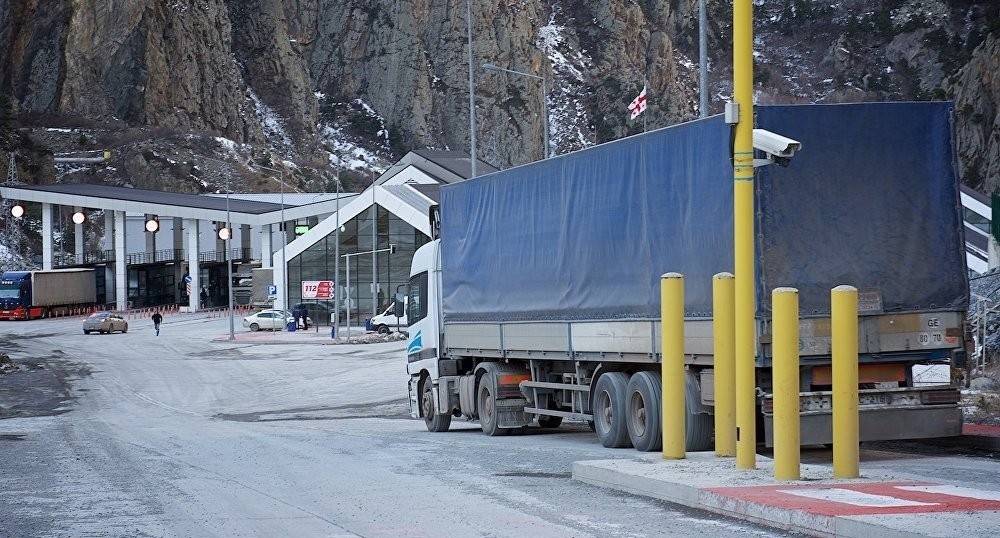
{"points": [[774, 145]]}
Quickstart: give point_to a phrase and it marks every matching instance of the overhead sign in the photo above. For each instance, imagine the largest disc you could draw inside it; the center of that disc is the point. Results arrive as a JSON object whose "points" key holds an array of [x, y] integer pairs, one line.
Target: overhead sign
{"points": [[317, 289]]}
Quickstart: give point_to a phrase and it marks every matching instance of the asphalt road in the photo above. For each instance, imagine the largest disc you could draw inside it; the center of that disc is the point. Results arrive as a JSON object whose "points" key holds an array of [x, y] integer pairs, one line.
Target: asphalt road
{"points": [[133, 435]]}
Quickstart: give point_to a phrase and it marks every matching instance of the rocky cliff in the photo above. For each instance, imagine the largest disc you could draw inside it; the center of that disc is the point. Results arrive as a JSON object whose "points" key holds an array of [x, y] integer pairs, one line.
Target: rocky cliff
{"points": [[305, 84]]}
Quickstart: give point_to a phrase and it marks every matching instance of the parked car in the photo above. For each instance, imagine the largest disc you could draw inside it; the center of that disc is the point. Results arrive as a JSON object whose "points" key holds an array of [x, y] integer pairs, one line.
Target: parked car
{"points": [[104, 322], [270, 320], [387, 320]]}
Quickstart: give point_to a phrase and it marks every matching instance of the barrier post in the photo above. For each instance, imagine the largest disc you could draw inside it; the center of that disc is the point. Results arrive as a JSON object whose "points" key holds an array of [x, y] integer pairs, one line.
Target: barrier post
{"points": [[724, 374], [844, 314], [785, 382], [672, 364]]}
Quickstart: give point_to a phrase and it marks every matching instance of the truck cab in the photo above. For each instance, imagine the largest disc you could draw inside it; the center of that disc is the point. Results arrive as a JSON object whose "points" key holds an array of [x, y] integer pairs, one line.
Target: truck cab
{"points": [[15, 294], [427, 396]]}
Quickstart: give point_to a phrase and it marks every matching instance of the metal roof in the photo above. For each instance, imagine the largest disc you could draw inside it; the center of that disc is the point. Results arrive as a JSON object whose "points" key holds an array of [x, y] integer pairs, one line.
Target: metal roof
{"points": [[407, 194], [456, 162], [431, 191], [167, 204]]}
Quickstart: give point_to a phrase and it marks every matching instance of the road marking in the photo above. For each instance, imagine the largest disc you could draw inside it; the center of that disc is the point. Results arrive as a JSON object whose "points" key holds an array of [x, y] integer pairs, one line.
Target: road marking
{"points": [[866, 498], [856, 498], [955, 491]]}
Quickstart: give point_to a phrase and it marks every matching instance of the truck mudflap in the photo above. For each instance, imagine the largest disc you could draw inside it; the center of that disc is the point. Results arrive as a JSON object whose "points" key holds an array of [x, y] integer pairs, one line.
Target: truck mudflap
{"points": [[883, 415], [411, 389], [510, 413]]}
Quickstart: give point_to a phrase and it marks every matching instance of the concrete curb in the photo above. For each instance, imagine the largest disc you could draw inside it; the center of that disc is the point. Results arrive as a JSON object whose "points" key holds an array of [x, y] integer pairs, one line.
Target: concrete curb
{"points": [[691, 482]]}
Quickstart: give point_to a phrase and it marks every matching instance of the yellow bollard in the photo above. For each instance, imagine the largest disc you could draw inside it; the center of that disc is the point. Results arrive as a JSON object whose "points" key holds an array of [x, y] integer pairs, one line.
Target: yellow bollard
{"points": [[844, 311], [743, 237], [725, 374], [672, 364], [785, 382]]}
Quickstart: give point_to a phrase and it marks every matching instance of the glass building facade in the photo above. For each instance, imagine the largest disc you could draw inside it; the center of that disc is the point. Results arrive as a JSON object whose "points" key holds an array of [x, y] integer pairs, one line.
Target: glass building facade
{"points": [[318, 262]]}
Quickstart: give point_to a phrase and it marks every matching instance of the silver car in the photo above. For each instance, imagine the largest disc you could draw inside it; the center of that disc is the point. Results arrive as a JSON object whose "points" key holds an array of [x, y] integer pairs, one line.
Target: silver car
{"points": [[105, 322]]}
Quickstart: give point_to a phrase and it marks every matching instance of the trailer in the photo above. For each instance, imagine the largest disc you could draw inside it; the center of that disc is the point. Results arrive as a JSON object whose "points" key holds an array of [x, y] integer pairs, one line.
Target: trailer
{"points": [[539, 299], [39, 294]]}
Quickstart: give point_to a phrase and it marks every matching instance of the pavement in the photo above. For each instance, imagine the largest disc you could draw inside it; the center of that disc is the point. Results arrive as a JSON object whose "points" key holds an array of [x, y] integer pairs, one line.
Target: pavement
{"points": [[313, 335], [877, 504]]}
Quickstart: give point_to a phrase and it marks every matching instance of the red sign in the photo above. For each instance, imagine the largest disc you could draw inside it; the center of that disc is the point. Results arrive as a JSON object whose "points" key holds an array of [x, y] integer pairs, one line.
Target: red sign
{"points": [[317, 289]]}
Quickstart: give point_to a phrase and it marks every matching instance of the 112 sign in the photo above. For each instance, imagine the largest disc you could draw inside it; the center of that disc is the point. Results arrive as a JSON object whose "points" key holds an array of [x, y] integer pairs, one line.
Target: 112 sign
{"points": [[317, 289]]}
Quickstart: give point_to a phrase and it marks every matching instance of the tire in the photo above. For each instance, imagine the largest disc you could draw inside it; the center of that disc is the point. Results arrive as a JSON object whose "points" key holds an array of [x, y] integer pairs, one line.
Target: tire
{"points": [[435, 422], [254, 327], [549, 421], [486, 405], [125, 329], [382, 329], [609, 410], [645, 423], [698, 426], [86, 332]]}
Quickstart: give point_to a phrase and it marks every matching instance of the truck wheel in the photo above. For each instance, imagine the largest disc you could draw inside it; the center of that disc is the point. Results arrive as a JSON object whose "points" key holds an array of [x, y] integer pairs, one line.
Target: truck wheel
{"points": [[549, 421], [698, 426], [610, 410], [382, 329], [433, 421], [486, 404], [644, 422]]}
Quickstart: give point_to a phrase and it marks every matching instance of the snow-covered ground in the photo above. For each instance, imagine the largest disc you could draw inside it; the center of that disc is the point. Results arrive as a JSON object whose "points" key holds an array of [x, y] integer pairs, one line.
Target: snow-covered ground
{"points": [[184, 435]]}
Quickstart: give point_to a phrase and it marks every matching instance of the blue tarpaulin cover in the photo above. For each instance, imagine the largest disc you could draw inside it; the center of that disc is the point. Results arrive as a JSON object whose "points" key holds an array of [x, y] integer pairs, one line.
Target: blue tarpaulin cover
{"points": [[871, 201]]}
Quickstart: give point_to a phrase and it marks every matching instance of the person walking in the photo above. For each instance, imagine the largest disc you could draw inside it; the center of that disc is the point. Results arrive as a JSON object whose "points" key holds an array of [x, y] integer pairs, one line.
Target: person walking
{"points": [[157, 320]]}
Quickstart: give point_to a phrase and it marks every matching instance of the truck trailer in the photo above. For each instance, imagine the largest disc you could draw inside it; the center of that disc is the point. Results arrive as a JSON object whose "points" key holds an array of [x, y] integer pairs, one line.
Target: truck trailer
{"points": [[538, 299], [39, 294]]}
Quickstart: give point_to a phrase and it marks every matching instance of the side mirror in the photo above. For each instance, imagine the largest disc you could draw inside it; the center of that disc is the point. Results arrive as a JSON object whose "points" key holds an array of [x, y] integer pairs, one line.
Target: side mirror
{"points": [[397, 308]]}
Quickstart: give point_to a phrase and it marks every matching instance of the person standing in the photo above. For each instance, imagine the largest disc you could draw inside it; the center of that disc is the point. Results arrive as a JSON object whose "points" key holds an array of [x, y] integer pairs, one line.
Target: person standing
{"points": [[157, 319]]}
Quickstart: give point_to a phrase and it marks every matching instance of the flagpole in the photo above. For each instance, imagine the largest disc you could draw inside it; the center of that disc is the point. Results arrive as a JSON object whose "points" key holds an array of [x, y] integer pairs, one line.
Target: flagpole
{"points": [[647, 98]]}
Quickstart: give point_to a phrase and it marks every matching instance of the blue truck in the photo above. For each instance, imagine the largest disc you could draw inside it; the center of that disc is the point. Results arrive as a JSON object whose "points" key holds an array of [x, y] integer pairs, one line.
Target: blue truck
{"points": [[39, 294], [539, 300]]}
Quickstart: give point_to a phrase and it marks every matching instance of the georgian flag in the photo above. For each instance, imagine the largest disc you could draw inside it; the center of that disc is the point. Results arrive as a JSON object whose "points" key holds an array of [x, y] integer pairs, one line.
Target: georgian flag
{"points": [[638, 105]]}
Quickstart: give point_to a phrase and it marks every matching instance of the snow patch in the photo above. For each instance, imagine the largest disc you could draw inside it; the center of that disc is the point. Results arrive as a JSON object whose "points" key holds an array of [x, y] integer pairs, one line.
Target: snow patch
{"points": [[270, 122]]}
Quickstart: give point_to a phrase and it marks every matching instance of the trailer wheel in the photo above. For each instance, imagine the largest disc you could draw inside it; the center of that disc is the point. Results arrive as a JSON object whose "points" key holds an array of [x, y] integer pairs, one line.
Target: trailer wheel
{"points": [[644, 422], [549, 421], [435, 422], [486, 404], [698, 426], [610, 410]]}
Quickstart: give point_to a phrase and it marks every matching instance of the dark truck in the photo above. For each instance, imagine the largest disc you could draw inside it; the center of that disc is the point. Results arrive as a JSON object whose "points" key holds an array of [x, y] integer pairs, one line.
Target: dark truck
{"points": [[540, 299], [39, 294]]}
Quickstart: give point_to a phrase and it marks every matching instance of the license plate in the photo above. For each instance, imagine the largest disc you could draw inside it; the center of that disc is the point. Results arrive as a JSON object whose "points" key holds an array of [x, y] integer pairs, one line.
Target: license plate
{"points": [[873, 399]]}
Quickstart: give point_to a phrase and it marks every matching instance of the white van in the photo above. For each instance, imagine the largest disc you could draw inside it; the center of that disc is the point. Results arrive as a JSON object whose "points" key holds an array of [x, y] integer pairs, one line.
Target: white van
{"points": [[386, 321]]}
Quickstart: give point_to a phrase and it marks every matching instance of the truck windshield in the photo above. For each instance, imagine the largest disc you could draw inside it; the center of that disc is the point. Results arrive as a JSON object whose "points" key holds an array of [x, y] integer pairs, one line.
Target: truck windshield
{"points": [[10, 291]]}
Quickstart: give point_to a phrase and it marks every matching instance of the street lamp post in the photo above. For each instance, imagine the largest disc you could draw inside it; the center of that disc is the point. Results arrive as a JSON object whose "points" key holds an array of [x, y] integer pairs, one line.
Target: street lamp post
{"points": [[284, 234], [545, 104], [228, 253]]}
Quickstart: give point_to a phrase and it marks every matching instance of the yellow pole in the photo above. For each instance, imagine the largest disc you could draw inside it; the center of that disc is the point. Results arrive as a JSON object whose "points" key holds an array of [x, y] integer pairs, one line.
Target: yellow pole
{"points": [[743, 237], [724, 374], [785, 382], [844, 311], [672, 364]]}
